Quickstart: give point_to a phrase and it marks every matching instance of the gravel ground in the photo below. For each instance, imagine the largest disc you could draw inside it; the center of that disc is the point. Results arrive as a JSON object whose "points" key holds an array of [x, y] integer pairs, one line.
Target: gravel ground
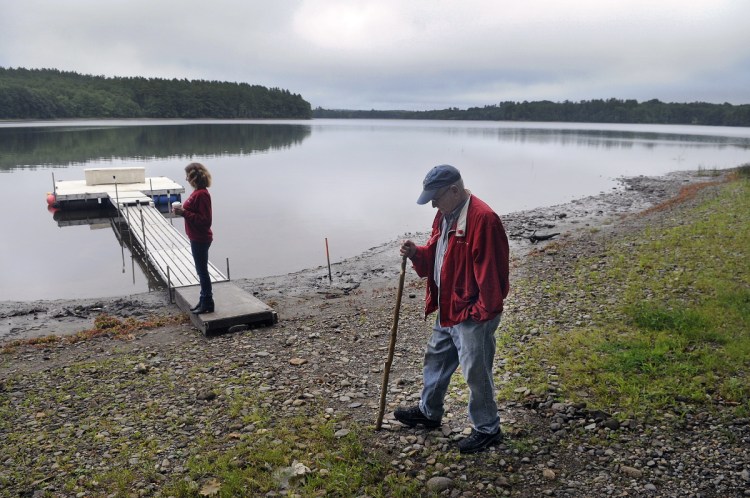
{"points": [[327, 352]]}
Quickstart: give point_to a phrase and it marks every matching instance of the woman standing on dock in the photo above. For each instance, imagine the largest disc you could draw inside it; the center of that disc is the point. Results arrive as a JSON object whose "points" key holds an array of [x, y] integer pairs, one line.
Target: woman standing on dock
{"points": [[197, 213]]}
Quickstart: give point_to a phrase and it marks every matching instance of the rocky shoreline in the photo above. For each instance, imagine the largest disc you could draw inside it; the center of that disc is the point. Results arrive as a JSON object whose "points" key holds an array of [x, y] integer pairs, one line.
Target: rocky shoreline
{"points": [[326, 353]]}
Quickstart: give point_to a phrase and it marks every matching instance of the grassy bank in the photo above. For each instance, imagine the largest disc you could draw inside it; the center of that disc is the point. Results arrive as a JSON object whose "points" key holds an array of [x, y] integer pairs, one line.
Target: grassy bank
{"points": [[130, 426], [666, 314]]}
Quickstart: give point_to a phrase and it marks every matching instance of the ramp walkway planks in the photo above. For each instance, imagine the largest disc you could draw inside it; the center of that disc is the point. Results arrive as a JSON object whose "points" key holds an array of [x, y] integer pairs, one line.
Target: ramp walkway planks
{"points": [[166, 248]]}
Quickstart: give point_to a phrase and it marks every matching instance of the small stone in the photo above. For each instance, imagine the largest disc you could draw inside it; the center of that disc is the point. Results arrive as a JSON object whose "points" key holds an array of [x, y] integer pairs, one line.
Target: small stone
{"points": [[559, 407], [611, 423], [631, 471], [206, 396], [341, 433], [438, 484], [297, 361], [549, 474]]}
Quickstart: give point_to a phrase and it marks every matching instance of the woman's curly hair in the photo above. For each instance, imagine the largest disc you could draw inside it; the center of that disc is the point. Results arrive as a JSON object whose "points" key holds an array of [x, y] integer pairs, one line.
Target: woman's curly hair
{"points": [[198, 175]]}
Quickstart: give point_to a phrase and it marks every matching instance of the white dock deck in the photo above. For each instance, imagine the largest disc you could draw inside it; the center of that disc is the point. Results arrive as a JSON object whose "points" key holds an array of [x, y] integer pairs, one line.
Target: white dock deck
{"points": [[124, 193]]}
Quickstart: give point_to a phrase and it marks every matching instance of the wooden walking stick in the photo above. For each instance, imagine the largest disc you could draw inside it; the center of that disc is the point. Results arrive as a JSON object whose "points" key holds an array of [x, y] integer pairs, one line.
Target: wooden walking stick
{"points": [[391, 346]]}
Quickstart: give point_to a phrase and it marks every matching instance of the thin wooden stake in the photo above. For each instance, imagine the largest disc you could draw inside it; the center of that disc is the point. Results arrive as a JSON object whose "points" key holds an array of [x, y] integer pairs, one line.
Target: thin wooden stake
{"points": [[391, 345], [328, 257]]}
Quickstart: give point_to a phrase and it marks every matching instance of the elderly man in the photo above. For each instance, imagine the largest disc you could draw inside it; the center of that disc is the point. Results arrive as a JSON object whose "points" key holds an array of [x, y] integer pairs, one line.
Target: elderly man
{"points": [[465, 262]]}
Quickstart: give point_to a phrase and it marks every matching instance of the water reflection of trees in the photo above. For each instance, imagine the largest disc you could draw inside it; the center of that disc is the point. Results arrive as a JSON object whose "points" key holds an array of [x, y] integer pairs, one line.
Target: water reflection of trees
{"points": [[62, 146], [619, 139]]}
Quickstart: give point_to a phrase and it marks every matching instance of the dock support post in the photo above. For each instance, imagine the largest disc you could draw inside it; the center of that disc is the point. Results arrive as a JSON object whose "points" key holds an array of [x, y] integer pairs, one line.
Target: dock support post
{"points": [[228, 277], [117, 195], [169, 205]]}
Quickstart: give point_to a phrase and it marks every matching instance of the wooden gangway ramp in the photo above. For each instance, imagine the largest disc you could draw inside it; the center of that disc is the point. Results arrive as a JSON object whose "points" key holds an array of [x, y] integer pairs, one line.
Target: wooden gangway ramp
{"points": [[164, 248], [168, 251]]}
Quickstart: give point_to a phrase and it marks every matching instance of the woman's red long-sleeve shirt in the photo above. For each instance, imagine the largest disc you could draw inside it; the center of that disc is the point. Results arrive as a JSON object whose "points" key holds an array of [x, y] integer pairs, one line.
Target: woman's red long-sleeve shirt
{"points": [[198, 216]]}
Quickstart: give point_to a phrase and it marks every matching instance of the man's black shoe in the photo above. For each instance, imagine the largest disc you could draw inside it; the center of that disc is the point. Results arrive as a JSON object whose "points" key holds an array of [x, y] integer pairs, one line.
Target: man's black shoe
{"points": [[479, 441], [413, 416]]}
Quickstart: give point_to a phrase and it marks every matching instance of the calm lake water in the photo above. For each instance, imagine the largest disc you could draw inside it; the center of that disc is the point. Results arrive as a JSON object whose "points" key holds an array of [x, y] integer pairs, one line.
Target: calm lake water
{"points": [[281, 188]]}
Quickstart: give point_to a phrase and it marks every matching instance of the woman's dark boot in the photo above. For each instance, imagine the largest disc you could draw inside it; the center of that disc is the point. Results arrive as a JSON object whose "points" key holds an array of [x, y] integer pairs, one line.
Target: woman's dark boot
{"points": [[198, 306], [206, 306]]}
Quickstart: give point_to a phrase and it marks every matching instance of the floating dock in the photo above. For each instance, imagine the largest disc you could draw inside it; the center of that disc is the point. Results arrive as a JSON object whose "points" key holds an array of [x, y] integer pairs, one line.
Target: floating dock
{"points": [[165, 249]]}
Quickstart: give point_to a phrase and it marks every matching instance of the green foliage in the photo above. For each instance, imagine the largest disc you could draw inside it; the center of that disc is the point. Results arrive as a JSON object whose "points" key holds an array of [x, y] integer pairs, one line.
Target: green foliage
{"points": [[585, 111], [655, 317], [744, 171], [53, 94]]}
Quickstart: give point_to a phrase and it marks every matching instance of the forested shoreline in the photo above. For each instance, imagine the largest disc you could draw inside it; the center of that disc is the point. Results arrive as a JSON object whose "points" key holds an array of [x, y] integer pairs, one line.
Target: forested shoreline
{"points": [[54, 94], [586, 111]]}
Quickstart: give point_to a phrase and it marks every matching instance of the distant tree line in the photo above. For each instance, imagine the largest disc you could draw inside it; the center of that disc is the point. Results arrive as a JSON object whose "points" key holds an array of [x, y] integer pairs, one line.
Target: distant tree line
{"points": [[586, 111], [53, 94]]}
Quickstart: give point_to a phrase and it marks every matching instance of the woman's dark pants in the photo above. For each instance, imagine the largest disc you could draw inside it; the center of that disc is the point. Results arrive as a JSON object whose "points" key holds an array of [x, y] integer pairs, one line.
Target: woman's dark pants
{"points": [[200, 256]]}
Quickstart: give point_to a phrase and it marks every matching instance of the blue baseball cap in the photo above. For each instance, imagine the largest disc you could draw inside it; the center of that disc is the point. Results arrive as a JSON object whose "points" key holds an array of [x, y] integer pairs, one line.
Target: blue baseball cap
{"points": [[438, 177]]}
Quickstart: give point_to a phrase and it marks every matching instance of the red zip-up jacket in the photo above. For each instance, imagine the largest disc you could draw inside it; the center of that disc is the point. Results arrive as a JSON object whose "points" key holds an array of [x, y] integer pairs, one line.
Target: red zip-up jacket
{"points": [[474, 276], [198, 216]]}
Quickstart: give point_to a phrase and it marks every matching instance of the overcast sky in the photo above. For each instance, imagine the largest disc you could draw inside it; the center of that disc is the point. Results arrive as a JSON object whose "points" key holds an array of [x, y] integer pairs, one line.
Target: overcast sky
{"points": [[401, 54]]}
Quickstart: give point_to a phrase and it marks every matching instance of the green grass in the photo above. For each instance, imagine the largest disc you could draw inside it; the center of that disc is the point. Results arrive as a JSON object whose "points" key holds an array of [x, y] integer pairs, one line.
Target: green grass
{"points": [[78, 414], [674, 316], [339, 467]]}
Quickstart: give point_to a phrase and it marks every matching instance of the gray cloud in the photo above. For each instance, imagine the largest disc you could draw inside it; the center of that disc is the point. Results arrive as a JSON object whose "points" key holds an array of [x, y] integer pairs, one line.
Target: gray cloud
{"points": [[388, 54]]}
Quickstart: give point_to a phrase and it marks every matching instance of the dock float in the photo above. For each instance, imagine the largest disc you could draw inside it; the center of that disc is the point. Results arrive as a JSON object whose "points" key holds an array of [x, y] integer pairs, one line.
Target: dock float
{"points": [[160, 244]]}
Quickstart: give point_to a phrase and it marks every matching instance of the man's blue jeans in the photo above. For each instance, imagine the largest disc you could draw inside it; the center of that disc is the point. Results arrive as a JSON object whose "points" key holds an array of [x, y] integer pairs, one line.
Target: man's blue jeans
{"points": [[472, 345], [200, 257]]}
